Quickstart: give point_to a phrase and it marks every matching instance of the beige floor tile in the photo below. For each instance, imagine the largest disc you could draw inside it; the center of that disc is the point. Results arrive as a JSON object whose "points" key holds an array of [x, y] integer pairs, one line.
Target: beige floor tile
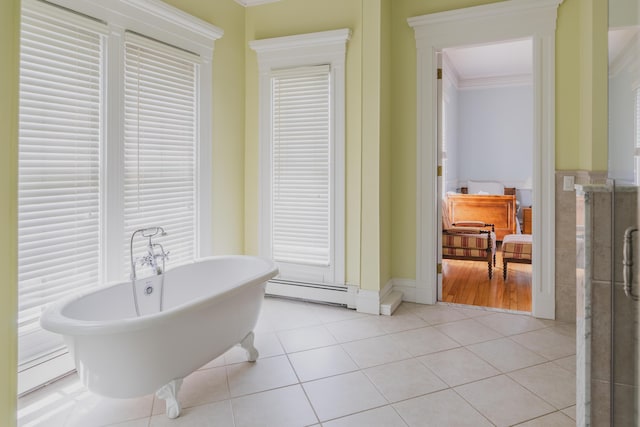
{"points": [[503, 401], [410, 359], [556, 419], [380, 417], [322, 362], [342, 395], [404, 380], [458, 366], [264, 374], [552, 343], [267, 344], [473, 311], [423, 341], [375, 351], [511, 324], [437, 314], [356, 329], [444, 408], [570, 412], [282, 314], [51, 405], [282, 407], [93, 410], [210, 415], [468, 331], [550, 382], [506, 355], [568, 363], [330, 313], [306, 338], [206, 386], [402, 319], [144, 422]]}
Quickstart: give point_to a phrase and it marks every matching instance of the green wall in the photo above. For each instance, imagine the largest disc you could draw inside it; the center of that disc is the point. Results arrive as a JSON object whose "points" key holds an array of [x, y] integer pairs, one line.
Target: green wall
{"points": [[228, 120], [9, 48], [581, 117]]}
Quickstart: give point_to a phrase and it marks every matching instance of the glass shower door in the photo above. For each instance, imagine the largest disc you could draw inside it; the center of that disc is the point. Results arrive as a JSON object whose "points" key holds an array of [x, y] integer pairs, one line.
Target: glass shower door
{"points": [[624, 174]]}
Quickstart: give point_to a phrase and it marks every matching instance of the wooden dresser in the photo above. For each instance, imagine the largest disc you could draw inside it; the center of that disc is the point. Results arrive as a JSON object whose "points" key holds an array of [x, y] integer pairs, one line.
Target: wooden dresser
{"points": [[526, 220]]}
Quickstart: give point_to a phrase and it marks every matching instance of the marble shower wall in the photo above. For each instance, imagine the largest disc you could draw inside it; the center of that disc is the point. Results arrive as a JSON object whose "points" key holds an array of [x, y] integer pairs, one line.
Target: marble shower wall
{"points": [[566, 242], [595, 263]]}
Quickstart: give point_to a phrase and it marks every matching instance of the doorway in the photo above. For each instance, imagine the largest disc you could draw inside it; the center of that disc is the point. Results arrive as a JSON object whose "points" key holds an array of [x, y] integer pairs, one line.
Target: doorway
{"points": [[485, 146], [508, 20]]}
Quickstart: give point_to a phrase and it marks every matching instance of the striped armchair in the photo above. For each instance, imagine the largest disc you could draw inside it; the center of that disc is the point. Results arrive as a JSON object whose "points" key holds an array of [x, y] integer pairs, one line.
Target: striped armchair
{"points": [[471, 241]]}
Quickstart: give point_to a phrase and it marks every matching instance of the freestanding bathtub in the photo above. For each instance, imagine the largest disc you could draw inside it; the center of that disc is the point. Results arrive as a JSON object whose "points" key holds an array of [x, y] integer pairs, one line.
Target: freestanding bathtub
{"points": [[209, 306]]}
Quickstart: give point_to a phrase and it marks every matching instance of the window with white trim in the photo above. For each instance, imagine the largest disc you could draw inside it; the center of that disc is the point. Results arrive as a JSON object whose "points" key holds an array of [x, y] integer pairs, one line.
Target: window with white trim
{"points": [[59, 212], [110, 140], [302, 173], [160, 145], [300, 169]]}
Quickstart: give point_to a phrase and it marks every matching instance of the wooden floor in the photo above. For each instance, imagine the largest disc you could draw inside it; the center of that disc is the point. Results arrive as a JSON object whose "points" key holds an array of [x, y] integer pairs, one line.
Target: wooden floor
{"points": [[467, 282]]}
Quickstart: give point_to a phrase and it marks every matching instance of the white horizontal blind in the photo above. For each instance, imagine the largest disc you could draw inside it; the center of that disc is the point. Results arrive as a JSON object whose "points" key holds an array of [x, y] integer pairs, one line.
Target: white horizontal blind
{"points": [[59, 165], [160, 145], [301, 141]]}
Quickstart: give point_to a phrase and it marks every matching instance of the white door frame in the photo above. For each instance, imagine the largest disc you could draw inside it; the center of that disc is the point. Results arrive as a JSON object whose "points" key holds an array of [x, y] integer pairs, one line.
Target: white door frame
{"points": [[507, 20]]}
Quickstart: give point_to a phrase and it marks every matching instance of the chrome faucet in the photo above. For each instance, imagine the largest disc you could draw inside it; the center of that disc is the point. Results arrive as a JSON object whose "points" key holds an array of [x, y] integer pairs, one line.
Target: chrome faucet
{"points": [[153, 255]]}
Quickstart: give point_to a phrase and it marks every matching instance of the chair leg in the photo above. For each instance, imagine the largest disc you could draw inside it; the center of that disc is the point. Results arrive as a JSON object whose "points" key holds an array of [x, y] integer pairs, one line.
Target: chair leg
{"points": [[490, 270], [504, 269]]}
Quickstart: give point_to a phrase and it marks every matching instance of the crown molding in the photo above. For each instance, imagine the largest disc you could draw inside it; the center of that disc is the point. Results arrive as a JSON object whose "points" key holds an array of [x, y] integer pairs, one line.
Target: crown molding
{"points": [[507, 8], [249, 3], [301, 41], [496, 81], [173, 14]]}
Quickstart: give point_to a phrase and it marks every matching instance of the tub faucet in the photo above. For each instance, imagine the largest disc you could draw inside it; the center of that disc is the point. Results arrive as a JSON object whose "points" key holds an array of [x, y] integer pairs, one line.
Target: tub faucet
{"points": [[155, 251]]}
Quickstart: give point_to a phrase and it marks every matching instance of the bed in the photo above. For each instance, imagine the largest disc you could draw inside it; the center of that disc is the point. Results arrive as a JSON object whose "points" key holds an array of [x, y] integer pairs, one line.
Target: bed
{"points": [[496, 209]]}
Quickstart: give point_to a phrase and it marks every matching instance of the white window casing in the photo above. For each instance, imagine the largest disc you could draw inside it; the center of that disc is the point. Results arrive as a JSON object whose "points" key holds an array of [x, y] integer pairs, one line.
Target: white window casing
{"points": [[302, 160]]}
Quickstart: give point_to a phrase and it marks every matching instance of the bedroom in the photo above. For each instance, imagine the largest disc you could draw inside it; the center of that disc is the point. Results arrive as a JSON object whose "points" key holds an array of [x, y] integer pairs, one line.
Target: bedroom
{"points": [[486, 140]]}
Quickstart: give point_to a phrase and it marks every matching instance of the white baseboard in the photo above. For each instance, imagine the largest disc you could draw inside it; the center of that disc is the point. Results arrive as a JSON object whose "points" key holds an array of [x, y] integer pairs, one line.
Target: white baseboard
{"points": [[367, 301], [407, 287], [308, 293]]}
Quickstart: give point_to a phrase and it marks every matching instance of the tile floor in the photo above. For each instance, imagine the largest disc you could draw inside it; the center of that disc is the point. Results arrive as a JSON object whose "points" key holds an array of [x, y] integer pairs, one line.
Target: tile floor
{"points": [[333, 367]]}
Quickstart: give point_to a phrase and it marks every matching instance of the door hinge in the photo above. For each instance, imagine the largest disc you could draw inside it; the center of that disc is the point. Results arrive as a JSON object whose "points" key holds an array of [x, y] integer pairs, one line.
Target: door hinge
{"points": [[439, 73], [439, 170], [439, 268]]}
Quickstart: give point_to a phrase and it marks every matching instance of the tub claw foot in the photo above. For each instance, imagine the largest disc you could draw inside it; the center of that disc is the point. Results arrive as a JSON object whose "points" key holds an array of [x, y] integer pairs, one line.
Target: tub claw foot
{"points": [[169, 392], [247, 344]]}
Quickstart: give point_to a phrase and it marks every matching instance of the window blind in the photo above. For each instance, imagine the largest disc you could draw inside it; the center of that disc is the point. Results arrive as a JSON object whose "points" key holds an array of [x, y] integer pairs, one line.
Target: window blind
{"points": [[59, 165], [301, 137], [160, 144]]}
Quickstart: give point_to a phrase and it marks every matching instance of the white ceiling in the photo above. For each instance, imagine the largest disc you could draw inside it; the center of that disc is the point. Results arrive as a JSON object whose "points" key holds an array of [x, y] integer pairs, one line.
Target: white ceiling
{"points": [[504, 59]]}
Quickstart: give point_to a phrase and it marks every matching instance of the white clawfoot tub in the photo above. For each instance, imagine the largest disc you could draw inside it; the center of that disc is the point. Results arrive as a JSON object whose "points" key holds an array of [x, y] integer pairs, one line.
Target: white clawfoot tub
{"points": [[209, 306]]}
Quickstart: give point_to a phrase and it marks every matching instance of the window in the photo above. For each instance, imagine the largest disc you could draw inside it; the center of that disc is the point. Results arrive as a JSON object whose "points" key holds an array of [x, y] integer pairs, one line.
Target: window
{"points": [[160, 144], [59, 214], [302, 155], [300, 169], [110, 141]]}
